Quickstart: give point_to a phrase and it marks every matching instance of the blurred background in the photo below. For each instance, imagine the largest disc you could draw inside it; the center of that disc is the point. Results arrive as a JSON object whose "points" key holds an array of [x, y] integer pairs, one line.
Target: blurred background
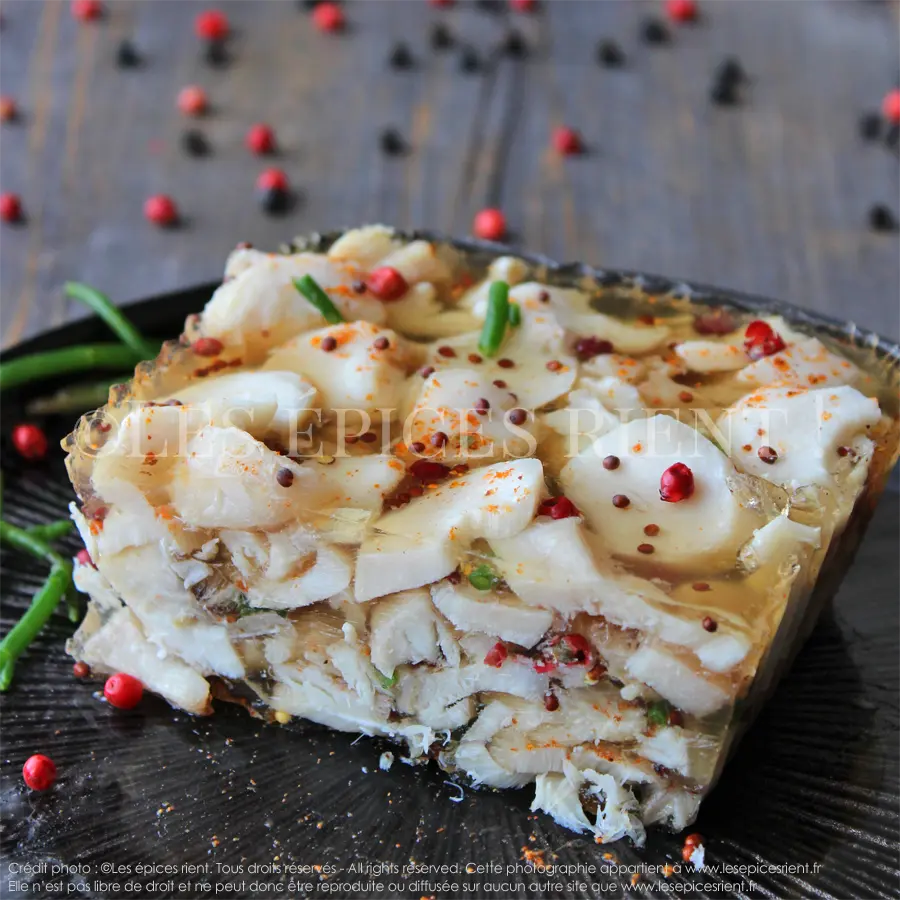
{"points": [[741, 143]]}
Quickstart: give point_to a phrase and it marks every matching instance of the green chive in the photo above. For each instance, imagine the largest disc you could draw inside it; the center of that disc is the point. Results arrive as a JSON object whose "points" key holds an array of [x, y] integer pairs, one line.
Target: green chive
{"points": [[515, 315], [85, 357], [103, 306], [658, 712], [319, 299], [52, 531], [496, 319], [483, 578], [75, 399], [383, 680]]}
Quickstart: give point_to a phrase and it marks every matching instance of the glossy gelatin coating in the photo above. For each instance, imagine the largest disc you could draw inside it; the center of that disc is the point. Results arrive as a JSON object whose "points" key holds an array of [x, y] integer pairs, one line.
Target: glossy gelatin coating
{"points": [[576, 558]]}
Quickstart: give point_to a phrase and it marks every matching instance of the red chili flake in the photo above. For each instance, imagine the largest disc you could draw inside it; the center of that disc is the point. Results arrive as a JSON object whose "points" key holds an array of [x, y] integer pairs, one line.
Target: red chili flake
{"points": [[10, 207], [207, 346], [260, 139], [575, 650], [554, 365], [647, 319], [285, 477], [890, 106], [517, 416], [691, 843], [81, 670], [417, 447], [30, 441], [39, 772], [589, 347], [646, 549], [675, 718], [499, 382], [426, 371], [446, 351], [545, 664], [497, 655], [381, 343], [611, 462], [83, 558], [86, 10], [651, 530], [8, 110], [455, 577], [567, 141], [272, 180], [762, 340], [100, 513], [428, 470], [329, 344], [767, 455], [192, 100], [505, 363], [161, 210], [676, 483], [685, 396], [328, 17], [489, 224], [620, 501], [710, 624], [438, 439], [716, 321], [211, 25], [701, 586], [474, 358], [387, 284], [681, 10], [123, 691], [558, 508], [551, 702]]}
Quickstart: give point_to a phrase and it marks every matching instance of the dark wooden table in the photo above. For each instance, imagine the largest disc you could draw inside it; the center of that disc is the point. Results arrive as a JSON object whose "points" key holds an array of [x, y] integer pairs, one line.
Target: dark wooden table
{"points": [[770, 196]]}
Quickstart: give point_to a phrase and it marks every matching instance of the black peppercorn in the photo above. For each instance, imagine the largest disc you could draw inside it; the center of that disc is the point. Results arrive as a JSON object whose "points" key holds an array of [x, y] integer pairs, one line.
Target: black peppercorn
{"points": [[610, 54], [127, 56], [194, 143], [400, 57], [391, 143]]}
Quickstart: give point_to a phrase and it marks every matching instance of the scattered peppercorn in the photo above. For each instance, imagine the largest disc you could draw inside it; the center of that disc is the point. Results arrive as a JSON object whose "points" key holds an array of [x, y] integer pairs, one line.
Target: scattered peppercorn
{"points": [[441, 38], [469, 61], [710, 624], [675, 718], [192, 100], [844, 451], [651, 530], [358, 287], [400, 57], [285, 477], [645, 548], [369, 437], [681, 10], [328, 17], [438, 439], [83, 557], [10, 208], [676, 483], [505, 363], [446, 351], [8, 110], [870, 126], [391, 142], [30, 441], [211, 25], [716, 321], [761, 340], [216, 54], [123, 691], [272, 188], [654, 32], [890, 106], [499, 382], [551, 702], [701, 586], [474, 358], [554, 365], [260, 139], [194, 143], [611, 462], [589, 347], [523, 6], [381, 343], [620, 501], [882, 219], [427, 470], [87, 10], [567, 141], [609, 54], [767, 455], [417, 447], [892, 136], [81, 670], [160, 209], [517, 416], [426, 371], [514, 45], [39, 772], [328, 343], [207, 346]]}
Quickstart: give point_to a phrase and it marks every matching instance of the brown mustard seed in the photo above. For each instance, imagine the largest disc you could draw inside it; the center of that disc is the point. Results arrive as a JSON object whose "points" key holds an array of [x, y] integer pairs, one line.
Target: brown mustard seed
{"points": [[646, 548], [675, 718], [701, 586], [551, 702], [517, 416], [381, 343], [438, 439], [544, 297], [474, 358], [620, 501], [767, 455], [505, 363], [285, 477], [482, 405], [416, 446], [651, 530], [426, 371], [359, 287], [500, 383], [369, 437], [328, 343], [710, 624], [446, 351], [844, 451], [611, 462]]}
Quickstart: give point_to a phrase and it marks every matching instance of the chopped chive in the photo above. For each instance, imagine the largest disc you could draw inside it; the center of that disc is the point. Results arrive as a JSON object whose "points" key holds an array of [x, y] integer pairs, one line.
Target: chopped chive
{"points": [[496, 319], [75, 399], [383, 680], [52, 531], [319, 299], [90, 357], [658, 712], [483, 578], [515, 315], [103, 306]]}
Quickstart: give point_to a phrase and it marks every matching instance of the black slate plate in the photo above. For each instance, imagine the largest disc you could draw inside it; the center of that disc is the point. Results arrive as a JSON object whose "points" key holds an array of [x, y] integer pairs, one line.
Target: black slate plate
{"points": [[814, 785]]}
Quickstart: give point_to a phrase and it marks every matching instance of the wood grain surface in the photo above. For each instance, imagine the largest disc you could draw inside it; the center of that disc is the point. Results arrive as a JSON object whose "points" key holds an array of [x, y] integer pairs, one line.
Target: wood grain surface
{"points": [[770, 196]]}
